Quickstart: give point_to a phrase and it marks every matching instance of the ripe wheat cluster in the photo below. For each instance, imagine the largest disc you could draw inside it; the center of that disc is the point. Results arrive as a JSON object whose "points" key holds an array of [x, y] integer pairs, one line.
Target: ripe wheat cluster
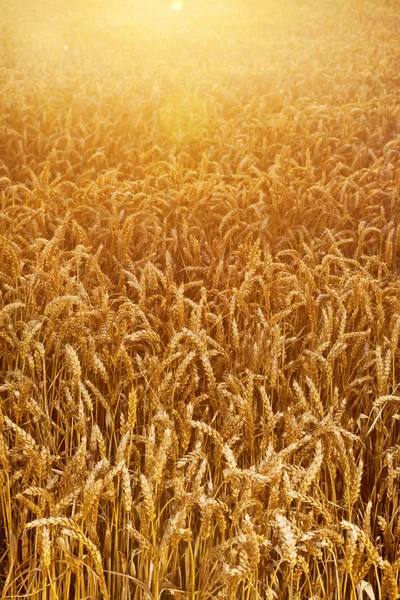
{"points": [[200, 302]]}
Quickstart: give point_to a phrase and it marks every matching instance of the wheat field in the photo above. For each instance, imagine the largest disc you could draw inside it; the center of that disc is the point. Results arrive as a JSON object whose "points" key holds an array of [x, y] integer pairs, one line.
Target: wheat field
{"points": [[200, 300]]}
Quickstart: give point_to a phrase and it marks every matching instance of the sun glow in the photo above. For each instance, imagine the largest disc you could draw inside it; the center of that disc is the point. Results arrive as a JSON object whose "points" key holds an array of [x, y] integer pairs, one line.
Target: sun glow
{"points": [[177, 5]]}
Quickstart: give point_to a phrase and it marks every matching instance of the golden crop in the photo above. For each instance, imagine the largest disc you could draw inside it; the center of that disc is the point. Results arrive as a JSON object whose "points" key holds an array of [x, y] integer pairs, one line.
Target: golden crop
{"points": [[200, 300]]}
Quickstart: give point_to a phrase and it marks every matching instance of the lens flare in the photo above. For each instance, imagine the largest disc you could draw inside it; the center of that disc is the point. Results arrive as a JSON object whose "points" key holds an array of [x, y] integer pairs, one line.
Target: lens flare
{"points": [[177, 5], [183, 115]]}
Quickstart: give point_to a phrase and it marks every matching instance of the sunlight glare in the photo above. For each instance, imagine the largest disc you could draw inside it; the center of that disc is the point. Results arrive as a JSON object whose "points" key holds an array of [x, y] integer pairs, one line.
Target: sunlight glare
{"points": [[177, 5]]}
